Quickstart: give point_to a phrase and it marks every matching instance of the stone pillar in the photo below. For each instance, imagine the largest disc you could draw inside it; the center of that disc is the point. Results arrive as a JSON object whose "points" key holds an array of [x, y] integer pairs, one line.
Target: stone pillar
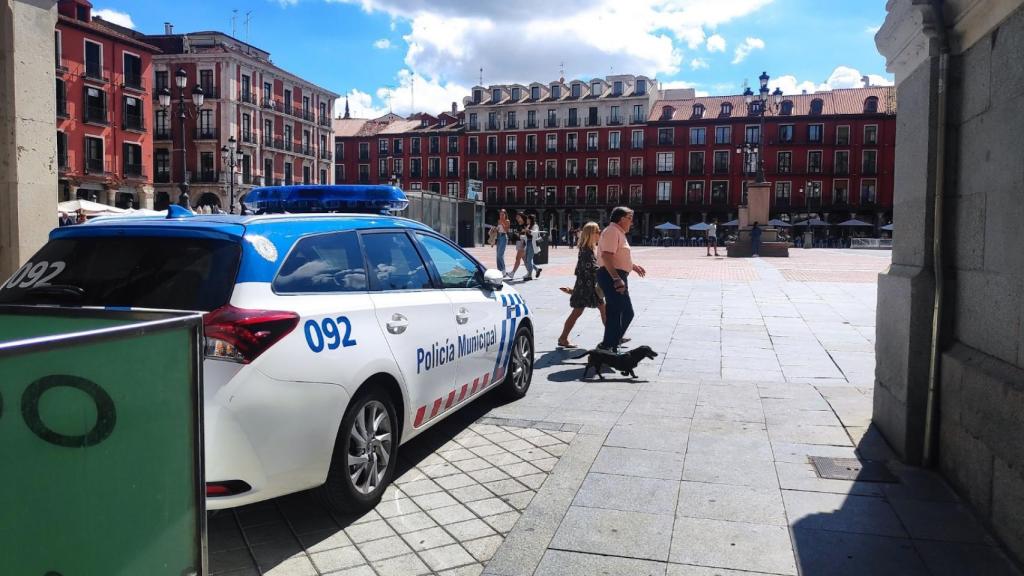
{"points": [[28, 146], [146, 197], [909, 41], [758, 204]]}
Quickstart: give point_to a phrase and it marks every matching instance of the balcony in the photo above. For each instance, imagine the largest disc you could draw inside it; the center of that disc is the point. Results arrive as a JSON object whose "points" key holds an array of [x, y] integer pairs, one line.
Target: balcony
{"points": [[512, 150], [211, 92], [96, 166], [364, 156], [614, 121], [134, 122], [493, 125], [305, 150], [592, 174], [398, 151], [551, 174], [636, 172], [721, 170], [207, 176], [512, 176], [842, 171], [452, 174], [593, 122], [511, 125], [663, 171], [434, 149], [248, 138], [434, 174], [637, 145], [96, 114], [62, 160], [531, 124], [782, 202], [551, 123], [696, 171], [570, 174], [637, 119], [665, 141], [248, 98], [572, 148], [269, 103], [133, 83], [324, 120], [869, 171], [451, 150], [473, 126], [492, 150], [287, 145], [95, 73], [207, 133], [162, 177], [325, 155], [288, 108], [572, 123], [249, 179], [531, 174], [134, 171]]}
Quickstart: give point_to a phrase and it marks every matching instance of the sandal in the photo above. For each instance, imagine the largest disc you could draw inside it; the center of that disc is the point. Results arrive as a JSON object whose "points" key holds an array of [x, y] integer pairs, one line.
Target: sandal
{"points": [[566, 290], [566, 344]]}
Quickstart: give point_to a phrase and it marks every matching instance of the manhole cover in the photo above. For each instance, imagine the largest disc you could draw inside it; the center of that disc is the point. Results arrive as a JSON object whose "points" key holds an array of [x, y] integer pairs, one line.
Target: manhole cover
{"points": [[851, 469]]}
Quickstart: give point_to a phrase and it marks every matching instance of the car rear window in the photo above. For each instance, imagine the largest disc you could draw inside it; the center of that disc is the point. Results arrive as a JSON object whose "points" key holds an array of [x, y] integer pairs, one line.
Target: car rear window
{"points": [[181, 273]]}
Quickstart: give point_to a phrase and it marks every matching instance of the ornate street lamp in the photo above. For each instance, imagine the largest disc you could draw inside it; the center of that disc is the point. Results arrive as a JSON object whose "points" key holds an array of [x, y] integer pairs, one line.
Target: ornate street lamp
{"points": [[181, 81], [232, 157], [763, 103]]}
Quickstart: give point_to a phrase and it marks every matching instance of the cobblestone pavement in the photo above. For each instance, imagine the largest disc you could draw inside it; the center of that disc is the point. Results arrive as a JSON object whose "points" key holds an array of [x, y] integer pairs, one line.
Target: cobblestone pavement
{"points": [[699, 467]]}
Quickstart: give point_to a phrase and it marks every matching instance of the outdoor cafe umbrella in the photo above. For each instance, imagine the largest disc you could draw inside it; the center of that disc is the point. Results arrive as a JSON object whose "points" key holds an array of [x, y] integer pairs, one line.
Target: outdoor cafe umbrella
{"points": [[667, 227], [811, 222], [887, 227], [779, 223], [732, 223], [699, 227], [88, 207], [854, 222]]}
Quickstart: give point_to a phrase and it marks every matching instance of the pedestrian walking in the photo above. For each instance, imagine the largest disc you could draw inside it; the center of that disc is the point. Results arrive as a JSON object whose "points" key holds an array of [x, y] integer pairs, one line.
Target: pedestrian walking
{"points": [[585, 293], [713, 236], [616, 262], [532, 237], [755, 240], [501, 239], [553, 238], [519, 231]]}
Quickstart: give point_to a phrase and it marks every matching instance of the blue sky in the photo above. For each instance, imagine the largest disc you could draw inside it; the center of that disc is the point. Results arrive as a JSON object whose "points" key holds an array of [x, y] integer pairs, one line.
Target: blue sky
{"points": [[428, 53]]}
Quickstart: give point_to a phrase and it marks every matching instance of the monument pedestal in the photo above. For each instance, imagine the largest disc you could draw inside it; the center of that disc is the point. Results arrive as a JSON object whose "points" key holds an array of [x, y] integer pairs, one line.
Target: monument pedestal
{"points": [[756, 210]]}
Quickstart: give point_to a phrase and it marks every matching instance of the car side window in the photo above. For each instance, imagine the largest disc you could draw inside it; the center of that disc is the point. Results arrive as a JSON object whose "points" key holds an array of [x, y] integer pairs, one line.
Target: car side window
{"points": [[455, 268], [323, 263], [394, 263]]}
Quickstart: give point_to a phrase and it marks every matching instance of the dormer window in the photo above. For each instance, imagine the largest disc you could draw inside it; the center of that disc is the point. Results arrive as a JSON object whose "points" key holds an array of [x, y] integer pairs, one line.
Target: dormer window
{"points": [[477, 96], [496, 95], [787, 108], [556, 91], [444, 121], [516, 94], [535, 92], [617, 88], [641, 87], [816, 106], [595, 89], [726, 109], [577, 90], [423, 122], [754, 108], [698, 110], [871, 105], [667, 112]]}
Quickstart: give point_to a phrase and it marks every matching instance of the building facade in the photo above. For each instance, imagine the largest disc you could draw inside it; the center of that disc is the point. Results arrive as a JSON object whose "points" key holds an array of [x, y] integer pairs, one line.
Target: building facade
{"points": [[104, 94], [277, 125]]}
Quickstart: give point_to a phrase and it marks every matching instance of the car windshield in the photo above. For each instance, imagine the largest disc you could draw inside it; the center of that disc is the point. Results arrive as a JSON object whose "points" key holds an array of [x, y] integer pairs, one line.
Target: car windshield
{"points": [[139, 272]]}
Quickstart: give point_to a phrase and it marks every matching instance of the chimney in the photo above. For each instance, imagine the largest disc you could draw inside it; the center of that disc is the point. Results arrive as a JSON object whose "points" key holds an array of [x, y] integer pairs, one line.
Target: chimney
{"points": [[866, 80], [168, 28], [455, 108]]}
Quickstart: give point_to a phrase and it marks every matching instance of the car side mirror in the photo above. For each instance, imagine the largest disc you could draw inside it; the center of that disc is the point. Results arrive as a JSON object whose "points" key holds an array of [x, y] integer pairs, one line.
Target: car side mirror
{"points": [[494, 279]]}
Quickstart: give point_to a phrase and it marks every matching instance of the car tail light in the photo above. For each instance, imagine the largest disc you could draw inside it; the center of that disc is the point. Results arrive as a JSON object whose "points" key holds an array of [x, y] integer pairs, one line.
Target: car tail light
{"points": [[242, 335], [226, 488]]}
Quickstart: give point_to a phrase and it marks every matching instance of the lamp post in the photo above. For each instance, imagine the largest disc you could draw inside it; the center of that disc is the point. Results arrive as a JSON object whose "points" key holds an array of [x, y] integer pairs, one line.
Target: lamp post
{"points": [[763, 102], [181, 80], [232, 157]]}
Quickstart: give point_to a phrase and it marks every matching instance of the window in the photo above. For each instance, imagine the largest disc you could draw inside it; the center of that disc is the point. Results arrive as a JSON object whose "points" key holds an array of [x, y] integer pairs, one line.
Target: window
{"points": [[753, 134], [206, 170], [615, 117], [510, 194], [638, 114], [719, 191], [323, 263], [364, 150], [786, 133], [664, 191], [510, 120], [477, 95], [786, 108], [433, 167], [592, 117], [382, 146], [62, 150], [531, 118], [288, 139], [287, 173], [841, 191], [636, 194], [535, 92], [492, 121], [57, 51], [574, 118], [571, 142], [816, 105], [613, 194], [398, 167], [517, 94], [132, 71], [556, 91], [697, 136], [455, 269], [721, 162], [510, 170], [531, 168], [842, 162], [210, 91], [434, 144], [307, 175], [783, 191], [132, 156], [492, 170], [871, 105], [698, 111], [617, 88], [531, 143], [162, 165], [133, 119], [453, 189], [94, 155], [95, 105], [473, 170], [665, 162], [495, 95], [323, 176], [62, 98], [570, 168], [614, 169], [614, 140], [636, 166], [785, 163], [641, 87], [267, 98], [246, 126], [595, 88], [726, 110], [415, 167], [814, 133], [552, 143], [160, 82], [695, 192], [814, 162], [453, 145], [665, 136], [814, 192], [638, 139], [869, 162], [414, 145], [268, 171], [667, 112], [867, 189], [591, 141], [592, 168], [510, 144], [552, 119], [870, 135], [750, 161], [206, 124], [452, 167], [576, 90], [696, 163], [93, 60], [591, 194], [571, 195], [842, 135], [723, 135]]}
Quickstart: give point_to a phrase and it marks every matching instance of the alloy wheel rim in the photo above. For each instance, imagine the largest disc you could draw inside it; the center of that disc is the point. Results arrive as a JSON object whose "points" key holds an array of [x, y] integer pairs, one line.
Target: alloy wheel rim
{"points": [[522, 363], [370, 447]]}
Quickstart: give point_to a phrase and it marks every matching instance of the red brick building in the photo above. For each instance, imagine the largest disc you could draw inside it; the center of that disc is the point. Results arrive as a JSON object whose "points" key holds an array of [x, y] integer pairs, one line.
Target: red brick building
{"points": [[104, 93]]}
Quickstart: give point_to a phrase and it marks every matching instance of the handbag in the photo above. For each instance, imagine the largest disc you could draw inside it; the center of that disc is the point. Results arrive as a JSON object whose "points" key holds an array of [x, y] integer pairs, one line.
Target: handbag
{"points": [[492, 236]]}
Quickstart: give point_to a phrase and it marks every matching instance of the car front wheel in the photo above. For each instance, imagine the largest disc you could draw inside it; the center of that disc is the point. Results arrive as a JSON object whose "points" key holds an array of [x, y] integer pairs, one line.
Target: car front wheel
{"points": [[365, 454], [520, 369]]}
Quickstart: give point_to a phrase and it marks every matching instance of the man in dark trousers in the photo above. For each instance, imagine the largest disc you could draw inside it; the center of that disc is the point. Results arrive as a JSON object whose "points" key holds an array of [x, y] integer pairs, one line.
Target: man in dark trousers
{"points": [[755, 240], [616, 263]]}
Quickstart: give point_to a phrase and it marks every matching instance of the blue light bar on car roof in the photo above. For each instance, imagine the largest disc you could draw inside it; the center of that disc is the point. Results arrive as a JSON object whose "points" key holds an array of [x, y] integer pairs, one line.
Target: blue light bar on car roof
{"points": [[369, 199]]}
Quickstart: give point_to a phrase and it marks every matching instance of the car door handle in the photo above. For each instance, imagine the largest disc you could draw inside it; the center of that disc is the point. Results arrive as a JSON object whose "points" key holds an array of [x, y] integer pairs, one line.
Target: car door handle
{"points": [[463, 316], [398, 324]]}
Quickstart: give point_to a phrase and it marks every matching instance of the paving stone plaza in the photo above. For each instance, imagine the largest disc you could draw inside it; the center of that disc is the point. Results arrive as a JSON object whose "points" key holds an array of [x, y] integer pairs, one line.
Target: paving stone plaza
{"points": [[699, 467]]}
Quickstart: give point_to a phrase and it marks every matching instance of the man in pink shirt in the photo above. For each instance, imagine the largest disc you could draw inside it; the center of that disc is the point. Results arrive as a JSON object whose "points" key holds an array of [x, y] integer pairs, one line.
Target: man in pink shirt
{"points": [[616, 263]]}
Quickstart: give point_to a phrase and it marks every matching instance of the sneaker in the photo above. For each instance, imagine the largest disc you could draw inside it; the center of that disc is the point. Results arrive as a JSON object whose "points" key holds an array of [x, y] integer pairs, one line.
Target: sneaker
{"points": [[527, 278]]}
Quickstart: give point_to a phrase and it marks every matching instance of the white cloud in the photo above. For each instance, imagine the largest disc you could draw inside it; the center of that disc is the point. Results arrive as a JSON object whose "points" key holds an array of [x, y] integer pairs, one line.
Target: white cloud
{"points": [[382, 44], [119, 18], [872, 30], [698, 63], [431, 96], [743, 50], [716, 43], [841, 77]]}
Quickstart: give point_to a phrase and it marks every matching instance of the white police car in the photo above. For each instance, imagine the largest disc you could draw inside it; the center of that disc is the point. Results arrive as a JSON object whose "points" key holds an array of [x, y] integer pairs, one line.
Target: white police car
{"points": [[331, 339]]}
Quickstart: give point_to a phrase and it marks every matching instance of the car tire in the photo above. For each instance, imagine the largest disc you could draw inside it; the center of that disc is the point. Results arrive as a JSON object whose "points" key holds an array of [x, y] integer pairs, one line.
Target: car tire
{"points": [[355, 482], [520, 366]]}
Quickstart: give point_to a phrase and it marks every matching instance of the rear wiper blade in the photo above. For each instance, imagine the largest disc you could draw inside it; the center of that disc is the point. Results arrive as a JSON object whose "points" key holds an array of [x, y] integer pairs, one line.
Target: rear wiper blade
{"points": [[57, 290]]}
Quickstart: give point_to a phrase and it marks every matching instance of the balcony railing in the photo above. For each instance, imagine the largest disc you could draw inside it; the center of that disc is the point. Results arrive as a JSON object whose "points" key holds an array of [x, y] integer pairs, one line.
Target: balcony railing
{"points": [[162, 177], [162, 134], [531, 123], [551, 122], [869, 171], [592, 147], [453, 149], [305, 150], [364, 156], [593, 121], [637, 119], [134, 171], [493, 125], [492, 149], [665, 141], [286, 145], [572, 122], [614, 121], [96, 166], [248, 137], [211, 92], [636, 145], [96, 114], [572, 148], [134, 122], [62, 107], [452, 173], [270, 103], [434, 174], [592, 174], [664, 171], [324, 120], [207, 176], [249, 98], [415, 173], [206, 133], [696, 171], [133, 83], [325, 154], [571, 174], [94, 73], [511, 176], [511, 125], [782, 201]]}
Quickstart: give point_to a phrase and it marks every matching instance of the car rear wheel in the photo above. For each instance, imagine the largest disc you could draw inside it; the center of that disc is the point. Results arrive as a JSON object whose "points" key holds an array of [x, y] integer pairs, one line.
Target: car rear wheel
{"points": [[520, 366], [365, 454]]}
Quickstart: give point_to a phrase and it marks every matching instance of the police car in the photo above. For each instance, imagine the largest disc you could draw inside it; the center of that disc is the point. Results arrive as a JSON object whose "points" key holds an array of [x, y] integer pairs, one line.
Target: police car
{"points": [[330, 338]]}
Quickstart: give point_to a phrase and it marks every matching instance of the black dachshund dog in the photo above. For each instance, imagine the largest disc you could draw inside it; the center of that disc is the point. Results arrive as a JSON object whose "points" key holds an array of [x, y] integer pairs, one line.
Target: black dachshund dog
{"points": [[624, 362]]}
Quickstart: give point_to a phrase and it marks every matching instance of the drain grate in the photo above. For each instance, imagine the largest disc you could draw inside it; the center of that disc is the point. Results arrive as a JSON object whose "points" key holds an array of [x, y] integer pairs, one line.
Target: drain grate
{"points": [[852, 469]]}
